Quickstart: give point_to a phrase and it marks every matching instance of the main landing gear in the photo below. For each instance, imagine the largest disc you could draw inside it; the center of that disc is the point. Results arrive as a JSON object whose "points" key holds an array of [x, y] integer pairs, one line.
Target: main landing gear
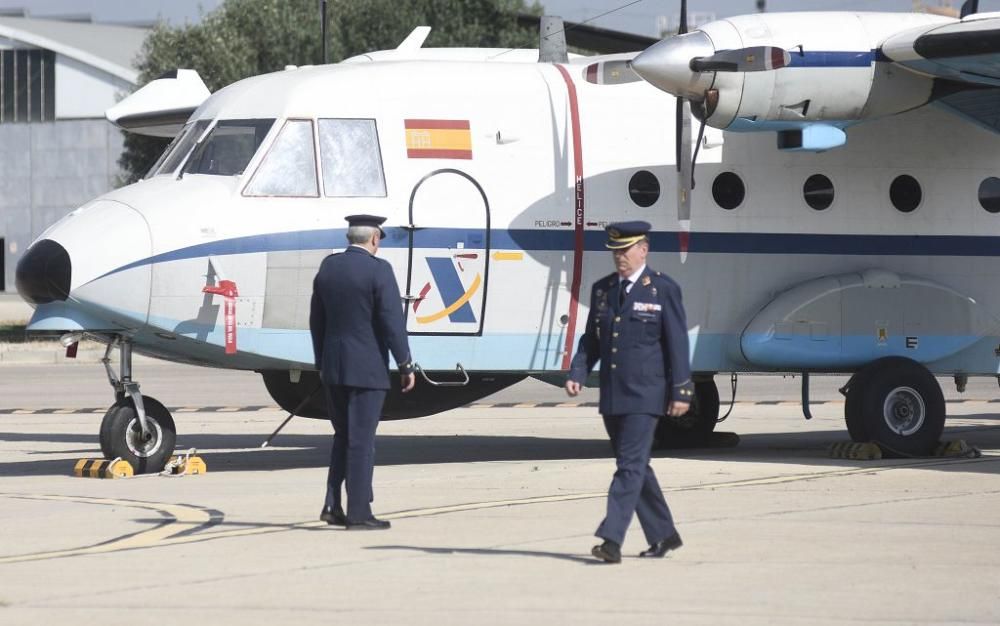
{"points": [[896, 403], [694, 427], [136, 428]]}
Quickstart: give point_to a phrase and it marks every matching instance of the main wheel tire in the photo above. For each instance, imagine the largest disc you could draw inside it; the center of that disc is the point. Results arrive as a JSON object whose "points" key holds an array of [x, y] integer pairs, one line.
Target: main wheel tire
{"points": [[853, 414], [121, 435], [695, 426], [902, 407]]}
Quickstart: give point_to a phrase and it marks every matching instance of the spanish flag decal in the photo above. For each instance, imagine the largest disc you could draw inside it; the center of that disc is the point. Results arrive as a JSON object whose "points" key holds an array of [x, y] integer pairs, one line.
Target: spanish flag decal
{"points": [[438, 139]]}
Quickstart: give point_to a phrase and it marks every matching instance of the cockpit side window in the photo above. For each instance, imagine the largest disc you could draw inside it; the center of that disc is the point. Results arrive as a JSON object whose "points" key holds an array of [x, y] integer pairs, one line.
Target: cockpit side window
{"points": [[289, 167], [175, 153], [352, 162], [228, 148]]}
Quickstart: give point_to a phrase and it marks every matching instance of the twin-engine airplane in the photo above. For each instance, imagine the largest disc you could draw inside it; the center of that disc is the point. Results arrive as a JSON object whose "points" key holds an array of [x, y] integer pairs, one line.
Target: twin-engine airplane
{"points": [[863, 241]]}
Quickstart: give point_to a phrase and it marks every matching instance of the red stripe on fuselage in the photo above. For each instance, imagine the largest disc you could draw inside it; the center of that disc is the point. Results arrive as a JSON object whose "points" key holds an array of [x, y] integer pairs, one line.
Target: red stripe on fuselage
{"points": [[445, 124], [578, 211]]}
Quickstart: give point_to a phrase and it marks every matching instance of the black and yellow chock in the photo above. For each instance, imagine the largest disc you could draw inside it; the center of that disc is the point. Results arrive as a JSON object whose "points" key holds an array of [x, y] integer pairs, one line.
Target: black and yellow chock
{"points": [[855, 451], [185, 465], [103, 468], [957, 448], [871, 451]]}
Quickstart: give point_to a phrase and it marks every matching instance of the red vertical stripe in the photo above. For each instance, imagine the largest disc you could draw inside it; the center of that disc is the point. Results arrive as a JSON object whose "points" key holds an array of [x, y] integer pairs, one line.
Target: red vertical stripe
{"points": [[578, 209]]}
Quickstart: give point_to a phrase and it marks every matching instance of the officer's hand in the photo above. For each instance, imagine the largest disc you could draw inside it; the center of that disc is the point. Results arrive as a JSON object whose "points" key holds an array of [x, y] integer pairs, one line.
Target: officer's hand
{"points": [[407, 381], [676, 409], [572, 387]]}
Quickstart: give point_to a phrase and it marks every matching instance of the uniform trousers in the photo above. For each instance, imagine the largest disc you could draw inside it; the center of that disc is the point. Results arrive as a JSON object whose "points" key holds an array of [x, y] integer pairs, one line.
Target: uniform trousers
{"points": [[355, 413], [634, 488]]}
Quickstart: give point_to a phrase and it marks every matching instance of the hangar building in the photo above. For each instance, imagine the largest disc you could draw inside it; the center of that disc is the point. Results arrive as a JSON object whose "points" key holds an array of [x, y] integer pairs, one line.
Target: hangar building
{"points": [[57, 77]]}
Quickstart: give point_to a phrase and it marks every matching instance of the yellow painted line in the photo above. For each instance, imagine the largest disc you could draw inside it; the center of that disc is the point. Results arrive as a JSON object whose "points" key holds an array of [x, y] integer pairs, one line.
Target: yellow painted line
{"points": [[186, 409], [188, 518], [454, 306], [228, 409], [508, 256], [525, 405], [185, 518]]}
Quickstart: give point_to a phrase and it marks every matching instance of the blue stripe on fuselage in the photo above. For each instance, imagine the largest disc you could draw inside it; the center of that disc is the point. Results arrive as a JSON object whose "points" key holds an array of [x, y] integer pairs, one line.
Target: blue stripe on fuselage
{"points": [[562, 241]]}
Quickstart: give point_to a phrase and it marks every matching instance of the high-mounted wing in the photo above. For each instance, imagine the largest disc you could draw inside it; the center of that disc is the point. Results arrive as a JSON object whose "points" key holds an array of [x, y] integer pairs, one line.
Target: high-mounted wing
{"points": [[966, 51], [160, 107], [594, 38]]}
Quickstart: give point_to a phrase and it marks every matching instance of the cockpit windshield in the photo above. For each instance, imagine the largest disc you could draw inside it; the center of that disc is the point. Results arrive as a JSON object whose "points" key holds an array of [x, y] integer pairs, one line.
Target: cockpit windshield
{"points": [[228, 148], [179, 148]]}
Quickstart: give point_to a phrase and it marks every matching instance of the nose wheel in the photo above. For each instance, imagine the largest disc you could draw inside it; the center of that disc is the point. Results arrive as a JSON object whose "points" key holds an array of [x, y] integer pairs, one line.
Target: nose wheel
{"points": [[136, 428]]}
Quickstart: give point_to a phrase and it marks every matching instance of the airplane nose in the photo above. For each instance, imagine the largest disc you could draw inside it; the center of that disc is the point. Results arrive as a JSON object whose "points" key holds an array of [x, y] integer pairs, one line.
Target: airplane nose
{"points": [[667, 64], [44, 273]]}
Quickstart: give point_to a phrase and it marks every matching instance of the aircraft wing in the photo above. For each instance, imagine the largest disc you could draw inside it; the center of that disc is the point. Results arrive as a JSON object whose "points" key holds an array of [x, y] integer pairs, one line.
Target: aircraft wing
{"points": [[161, 107], [595, 38], [966, 52], [965, 56]]}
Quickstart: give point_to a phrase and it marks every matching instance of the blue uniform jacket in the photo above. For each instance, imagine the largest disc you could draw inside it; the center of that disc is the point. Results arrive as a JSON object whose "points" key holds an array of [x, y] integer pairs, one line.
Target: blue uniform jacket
{"points": [[642, 346], [355, 319]]}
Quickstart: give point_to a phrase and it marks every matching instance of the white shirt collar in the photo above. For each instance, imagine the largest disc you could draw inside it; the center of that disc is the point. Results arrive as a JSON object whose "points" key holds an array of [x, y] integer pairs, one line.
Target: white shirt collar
{"points": [[634, 278]]}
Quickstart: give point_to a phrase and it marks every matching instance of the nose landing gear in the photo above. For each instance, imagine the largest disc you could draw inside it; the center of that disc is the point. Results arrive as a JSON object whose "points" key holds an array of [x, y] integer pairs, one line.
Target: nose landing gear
{"points": [[136, 428]]}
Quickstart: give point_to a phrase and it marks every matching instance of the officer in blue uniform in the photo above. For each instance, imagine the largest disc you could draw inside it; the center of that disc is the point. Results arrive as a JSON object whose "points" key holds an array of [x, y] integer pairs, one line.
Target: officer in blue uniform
{"points": [[355, 320], [637, 330]]}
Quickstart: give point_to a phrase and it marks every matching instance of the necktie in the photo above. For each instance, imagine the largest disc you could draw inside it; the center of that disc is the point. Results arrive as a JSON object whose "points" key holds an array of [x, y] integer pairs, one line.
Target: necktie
{"points": [[623, 291]]}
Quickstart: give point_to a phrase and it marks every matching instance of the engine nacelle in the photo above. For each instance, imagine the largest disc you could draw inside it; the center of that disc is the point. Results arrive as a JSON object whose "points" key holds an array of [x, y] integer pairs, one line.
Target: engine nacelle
{"points": [[826, 69]]}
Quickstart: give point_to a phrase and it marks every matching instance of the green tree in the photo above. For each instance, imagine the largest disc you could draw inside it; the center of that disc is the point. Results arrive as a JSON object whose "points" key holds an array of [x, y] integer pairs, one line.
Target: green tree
{"points": [[248, 37]]}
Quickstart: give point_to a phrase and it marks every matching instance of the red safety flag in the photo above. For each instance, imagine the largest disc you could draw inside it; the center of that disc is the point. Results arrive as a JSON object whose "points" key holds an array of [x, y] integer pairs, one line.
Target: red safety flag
{"points": [[227, 289]]}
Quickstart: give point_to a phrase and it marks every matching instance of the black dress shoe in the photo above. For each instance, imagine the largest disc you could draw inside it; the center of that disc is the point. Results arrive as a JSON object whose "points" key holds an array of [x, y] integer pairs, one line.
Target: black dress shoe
{"points": [[609, 552], [333, 516], [663, 546], [369, 524]]}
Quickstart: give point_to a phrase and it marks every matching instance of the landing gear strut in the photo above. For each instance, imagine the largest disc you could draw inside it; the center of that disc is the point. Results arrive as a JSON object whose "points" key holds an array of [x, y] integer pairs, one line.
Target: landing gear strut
{"points": [[136, 428]]}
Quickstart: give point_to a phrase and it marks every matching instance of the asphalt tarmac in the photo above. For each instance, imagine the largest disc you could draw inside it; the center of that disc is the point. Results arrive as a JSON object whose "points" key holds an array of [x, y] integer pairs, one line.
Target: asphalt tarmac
{"points": [[493, 510]]}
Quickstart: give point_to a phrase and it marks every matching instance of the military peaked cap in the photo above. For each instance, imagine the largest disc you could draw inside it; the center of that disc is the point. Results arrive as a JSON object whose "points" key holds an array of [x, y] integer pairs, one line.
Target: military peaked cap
{"points": [[623, 235], [367, 220]]}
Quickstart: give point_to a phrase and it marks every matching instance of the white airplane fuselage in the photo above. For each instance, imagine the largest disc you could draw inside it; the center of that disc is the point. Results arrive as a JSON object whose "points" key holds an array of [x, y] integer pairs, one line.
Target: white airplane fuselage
{"points": [[518, 223]]}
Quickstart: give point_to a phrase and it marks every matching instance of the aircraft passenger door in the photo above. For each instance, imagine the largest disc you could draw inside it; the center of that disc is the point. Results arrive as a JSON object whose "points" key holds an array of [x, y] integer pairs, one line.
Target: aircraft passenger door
{"points": [[449, 255]]}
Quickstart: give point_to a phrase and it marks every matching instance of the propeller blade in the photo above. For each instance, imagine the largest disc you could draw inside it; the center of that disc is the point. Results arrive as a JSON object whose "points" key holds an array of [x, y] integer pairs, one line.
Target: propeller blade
{"points": [[683, 160], [755, 59], [683, 26], [970, 7]]}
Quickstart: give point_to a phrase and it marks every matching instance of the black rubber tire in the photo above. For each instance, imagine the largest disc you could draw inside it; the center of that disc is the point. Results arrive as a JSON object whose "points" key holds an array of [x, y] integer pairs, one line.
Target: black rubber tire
{"points": [[853, 416], [895, 391], [118, 442], [697, 424]]}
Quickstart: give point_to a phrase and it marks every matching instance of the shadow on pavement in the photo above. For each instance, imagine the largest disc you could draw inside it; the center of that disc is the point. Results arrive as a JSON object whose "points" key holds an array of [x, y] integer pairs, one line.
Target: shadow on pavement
{"points": [[493, 552], [228, 453]]}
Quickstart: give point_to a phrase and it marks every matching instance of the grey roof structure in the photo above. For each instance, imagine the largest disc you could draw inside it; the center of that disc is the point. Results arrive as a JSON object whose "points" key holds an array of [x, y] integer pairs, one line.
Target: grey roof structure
{"points": [[111, 48]]}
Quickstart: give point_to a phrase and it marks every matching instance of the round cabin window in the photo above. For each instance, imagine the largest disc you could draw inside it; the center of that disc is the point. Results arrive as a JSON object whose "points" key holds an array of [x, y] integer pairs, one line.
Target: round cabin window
{"points": [[905, 193], [644, 188], [728, 190], [818, 192], [989, 194]]}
